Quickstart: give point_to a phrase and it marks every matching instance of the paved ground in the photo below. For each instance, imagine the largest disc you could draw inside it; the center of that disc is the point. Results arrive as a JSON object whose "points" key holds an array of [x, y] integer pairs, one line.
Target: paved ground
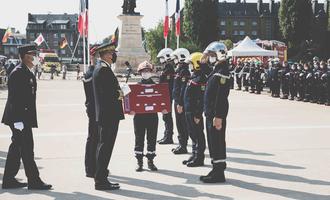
{"points": [[277, 150]]}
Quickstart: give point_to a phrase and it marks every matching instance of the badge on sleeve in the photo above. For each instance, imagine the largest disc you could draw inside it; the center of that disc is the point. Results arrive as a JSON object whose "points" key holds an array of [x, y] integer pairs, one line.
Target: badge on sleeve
{"points": [[183, 79], [222, 81]]}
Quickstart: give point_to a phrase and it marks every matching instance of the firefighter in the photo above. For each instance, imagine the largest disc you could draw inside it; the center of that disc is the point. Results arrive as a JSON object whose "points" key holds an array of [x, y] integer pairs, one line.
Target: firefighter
{"points": [[167, 76], [193, 106]]}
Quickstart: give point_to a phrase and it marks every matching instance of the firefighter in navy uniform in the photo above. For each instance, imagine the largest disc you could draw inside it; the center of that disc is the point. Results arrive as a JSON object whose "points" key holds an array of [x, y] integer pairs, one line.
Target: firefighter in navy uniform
{"points": [[108, 112], [252, 77], [323, 83], [276, 77], [285, 80], [21, 116], [239, 73], [92, 138], [309, 83], [167, 76], [145, 124], [327, 84], [301, 82], [193, 106], [216, 109], [292, 77], [182, 76], [245, 76]]}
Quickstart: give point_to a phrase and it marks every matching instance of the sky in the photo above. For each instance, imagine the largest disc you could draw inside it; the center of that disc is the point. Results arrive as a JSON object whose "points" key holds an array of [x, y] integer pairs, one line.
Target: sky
{"points": [[103, 13]]}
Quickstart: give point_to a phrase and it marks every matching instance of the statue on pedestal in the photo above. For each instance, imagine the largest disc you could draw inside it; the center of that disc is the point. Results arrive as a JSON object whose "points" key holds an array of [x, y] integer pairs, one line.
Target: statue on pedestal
{"points": [[129, 6]]}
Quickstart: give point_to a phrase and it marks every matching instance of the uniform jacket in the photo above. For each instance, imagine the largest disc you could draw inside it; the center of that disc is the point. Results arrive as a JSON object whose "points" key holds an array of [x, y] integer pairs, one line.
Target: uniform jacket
{"points": [[89, 92], [182, 75], [167, 76]]}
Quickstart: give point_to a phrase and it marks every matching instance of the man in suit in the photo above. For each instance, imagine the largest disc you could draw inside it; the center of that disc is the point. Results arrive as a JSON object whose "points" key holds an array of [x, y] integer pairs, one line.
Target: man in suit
{"points": [[108, 110], [21, 116]]}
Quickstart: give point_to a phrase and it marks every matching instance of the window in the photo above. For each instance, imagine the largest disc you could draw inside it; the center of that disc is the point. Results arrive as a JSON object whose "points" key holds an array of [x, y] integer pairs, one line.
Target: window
{"points": [[254, 23], [242, 23], [55, 35], [10, 41], [241, 32], [62, 35], [254, 33], [63, 52], [235, 23], [31, 36], [63, 26], [223, 23], [223, 32], [235, 32], [55, 43]]}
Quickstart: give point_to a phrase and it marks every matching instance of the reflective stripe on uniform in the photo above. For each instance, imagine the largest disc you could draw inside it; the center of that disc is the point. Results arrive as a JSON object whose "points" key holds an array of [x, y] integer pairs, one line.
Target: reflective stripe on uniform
{"points": [[151, 152], [222, 76], [219, 161], [138, 152]]}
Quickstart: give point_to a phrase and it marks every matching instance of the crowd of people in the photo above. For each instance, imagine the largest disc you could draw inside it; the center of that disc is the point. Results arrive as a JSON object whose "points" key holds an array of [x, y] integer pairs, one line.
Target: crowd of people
{"points": [[303, 81]]}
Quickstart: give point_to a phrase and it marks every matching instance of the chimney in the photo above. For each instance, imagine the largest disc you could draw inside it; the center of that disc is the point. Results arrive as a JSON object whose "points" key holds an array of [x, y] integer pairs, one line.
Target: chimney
{"points": [[259, 6], [272, 6], [314, 6]]}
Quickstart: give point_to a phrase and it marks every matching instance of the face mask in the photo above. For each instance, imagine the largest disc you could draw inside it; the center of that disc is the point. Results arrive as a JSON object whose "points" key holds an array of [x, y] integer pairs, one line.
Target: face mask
{"points": [[299, 68], [114, 58], [212, 60], [316, 66], [305, 68], [176, 61], [162, 60], [35, 61], [113, 67], [146, 75]]}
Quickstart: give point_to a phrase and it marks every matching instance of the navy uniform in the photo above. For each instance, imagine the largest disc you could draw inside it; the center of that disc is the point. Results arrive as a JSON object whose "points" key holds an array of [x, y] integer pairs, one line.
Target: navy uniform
{"points": [[167, 76], [145, 125], [323, 84], [327, 86], [285, 81], [216, 105], [245, 76], [309, 85], [258, 78], [92, 138], [239, 73], [252, 78], [275, 79], [21, 109], [109, 112], [182, 76], [301, 81]]}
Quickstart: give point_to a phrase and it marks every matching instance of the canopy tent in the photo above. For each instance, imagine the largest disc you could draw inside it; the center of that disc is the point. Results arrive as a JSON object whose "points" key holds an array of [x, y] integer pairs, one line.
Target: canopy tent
{"points": [[249, 48]]}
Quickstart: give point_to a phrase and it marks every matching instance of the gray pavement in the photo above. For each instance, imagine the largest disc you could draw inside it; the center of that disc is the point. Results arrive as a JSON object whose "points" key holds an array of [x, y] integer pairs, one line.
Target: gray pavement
{"points": [[277, 149]]}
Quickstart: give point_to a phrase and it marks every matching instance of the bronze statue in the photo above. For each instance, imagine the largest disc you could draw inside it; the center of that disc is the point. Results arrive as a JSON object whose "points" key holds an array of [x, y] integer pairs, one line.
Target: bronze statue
{"points": [[129, 6]]}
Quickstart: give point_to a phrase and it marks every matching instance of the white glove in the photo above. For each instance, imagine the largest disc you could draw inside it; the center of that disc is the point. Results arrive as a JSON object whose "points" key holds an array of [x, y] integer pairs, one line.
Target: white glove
{"points": [[19, 126]]}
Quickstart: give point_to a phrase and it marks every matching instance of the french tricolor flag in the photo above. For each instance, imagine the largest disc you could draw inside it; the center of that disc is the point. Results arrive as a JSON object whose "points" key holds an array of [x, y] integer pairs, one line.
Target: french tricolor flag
{"points": [[177, 19], [166, 21]]}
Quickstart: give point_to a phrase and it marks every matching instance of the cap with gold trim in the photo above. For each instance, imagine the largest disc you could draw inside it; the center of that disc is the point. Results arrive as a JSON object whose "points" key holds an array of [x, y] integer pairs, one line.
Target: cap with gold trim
{"points": [[108, 47]]}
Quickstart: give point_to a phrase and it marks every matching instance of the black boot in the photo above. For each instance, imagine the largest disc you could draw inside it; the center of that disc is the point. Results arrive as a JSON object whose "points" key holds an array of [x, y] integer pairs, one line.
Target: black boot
{"points": [[180, 150], [106, 185], [12, 184], [191, 158], [151, 165], [38, 184], [166, 140], [139, 167], [218, 175], [197, 162]]}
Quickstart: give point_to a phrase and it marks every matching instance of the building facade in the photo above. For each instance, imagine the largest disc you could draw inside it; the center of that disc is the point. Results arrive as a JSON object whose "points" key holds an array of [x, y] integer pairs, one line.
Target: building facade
{"points": [[10, 48], [54, 28]]}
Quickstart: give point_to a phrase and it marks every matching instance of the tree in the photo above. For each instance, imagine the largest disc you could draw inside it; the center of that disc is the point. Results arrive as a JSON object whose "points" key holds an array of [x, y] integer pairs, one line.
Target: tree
{"points": [[295, 18], [200, 21], [155, 41]]}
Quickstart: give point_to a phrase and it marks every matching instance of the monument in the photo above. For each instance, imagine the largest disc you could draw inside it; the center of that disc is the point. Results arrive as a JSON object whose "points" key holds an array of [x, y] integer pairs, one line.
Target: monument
{"points": [[130, 47]]}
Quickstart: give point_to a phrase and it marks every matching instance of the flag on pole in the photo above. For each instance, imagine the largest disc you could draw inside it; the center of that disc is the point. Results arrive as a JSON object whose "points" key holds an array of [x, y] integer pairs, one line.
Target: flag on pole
{"points": [[114, 37], [83, 18], [63, 43], [177, 19], [166, 21], [8, 33], [40, 39]]}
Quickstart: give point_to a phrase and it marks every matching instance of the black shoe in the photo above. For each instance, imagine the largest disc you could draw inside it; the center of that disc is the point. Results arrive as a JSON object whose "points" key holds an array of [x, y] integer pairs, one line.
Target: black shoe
{"points": [[216, 177], [151, 165], [12, 184], [180, 150], [198, 162], [191, 158], [139, 167], [106, 186], [284, 97], [39, 185], [291, 98], [166, 140], [209, 174], [306, 100], [89, 175], [327, 104]]}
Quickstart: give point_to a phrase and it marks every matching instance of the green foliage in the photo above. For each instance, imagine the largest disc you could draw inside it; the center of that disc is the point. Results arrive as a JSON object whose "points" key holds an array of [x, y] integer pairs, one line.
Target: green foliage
{"points": [[155, 41], [229, 44]]}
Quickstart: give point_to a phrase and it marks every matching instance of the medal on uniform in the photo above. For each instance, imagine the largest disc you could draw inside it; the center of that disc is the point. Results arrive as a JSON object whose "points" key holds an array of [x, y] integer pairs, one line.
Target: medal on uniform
{"points": [[168, 77], [222, 81]]}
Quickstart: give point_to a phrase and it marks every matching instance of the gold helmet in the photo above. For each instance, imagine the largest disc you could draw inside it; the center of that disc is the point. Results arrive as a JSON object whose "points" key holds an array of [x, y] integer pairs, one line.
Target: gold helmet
{"points": [[195, 59]]}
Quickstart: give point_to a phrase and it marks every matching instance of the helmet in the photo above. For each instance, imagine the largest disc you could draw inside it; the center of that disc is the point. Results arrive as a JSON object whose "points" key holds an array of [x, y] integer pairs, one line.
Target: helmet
{"points": [[165, 53], [145, 65], [216, 47], [181, 54], [316, 59], [195, 59]]}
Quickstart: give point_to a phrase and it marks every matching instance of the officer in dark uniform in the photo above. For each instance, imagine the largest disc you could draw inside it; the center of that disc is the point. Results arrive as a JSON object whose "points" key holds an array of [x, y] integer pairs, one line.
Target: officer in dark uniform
{"points": [[275, 78], [239, 73], [301, 81], [246, 70], [216, 109], [285, 80], [21, 116], [92, 138], [108, 110], [327, 85], [167, 76], [252, 77], [323, 83], [292, 76], [317, 82], [193, 106], [182, 76], [232, 73], [145, 125], [309, 83], [258, 78]]}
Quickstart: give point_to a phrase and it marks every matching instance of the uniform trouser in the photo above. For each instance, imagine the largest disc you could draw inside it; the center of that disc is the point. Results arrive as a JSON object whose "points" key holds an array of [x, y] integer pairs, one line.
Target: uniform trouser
{"points": [[293, 90], [216, 140], [322, 93], [107, 137], [231, 80], [258, 85], [252, 84], [285, 88], [328, 91], [301, 91], [168, 122], [315, 91], [181, 126], [145, 124], [245, 83], [196, 133], [91, 145], [239, 81], [21, 147], [276, 87]]}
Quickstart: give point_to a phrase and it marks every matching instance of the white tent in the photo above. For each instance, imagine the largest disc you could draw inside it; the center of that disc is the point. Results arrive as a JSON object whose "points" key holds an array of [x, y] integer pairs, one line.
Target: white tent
{"points": [[248, 48]]}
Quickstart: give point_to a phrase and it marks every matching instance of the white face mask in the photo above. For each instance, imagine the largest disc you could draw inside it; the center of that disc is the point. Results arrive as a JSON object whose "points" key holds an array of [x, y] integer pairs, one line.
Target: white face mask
{"points": [[113, 67], [146, 75], [191, 67], [162, 60], [212, 60], [35, 61], [176, 61]]}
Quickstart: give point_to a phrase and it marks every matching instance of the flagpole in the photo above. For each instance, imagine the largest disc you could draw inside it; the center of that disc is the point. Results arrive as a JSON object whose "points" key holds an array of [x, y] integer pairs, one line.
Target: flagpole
{"points": [[178, 41], [75, 48], [88, 54], [165, 42]]}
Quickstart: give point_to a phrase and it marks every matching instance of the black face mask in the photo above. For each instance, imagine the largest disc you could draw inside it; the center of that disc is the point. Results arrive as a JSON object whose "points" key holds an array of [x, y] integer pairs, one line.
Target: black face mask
{"points": [[205, 68], [114, 57]]}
